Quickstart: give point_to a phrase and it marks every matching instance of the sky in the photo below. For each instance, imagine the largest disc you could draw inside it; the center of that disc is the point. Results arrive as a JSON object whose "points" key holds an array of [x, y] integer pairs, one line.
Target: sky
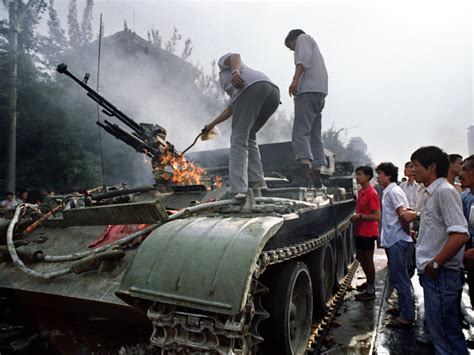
{"points": [[400, 73]]}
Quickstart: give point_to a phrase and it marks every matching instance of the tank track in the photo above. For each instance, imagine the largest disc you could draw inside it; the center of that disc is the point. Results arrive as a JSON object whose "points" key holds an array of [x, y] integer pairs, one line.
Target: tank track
{"points": [[320, 330], [178, 330]]}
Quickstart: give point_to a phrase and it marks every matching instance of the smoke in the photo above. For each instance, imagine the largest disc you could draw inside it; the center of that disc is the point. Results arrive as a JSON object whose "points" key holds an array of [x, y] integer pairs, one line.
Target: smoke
{"points": [[150, 85]]}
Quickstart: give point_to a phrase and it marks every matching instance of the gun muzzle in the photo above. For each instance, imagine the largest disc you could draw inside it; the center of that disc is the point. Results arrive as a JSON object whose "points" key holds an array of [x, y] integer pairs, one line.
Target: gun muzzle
{"points": [[62, 68]]}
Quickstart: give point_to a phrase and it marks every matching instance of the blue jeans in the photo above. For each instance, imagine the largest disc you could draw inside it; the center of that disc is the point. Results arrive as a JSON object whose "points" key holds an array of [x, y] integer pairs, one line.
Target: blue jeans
{"points": [[442, 311], [399, 279]]}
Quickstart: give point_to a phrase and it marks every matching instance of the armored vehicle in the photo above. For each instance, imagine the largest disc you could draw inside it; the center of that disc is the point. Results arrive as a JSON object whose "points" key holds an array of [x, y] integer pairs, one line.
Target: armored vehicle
{"points": [[211, 274]]}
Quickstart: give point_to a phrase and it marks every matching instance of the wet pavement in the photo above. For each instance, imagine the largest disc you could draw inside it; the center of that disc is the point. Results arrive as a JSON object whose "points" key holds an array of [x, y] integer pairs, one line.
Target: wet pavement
{"points": [[360, 327]]}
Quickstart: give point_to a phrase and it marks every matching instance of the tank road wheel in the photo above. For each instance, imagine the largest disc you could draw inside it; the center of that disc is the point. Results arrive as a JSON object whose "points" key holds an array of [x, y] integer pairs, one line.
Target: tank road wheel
{"points": [[321, 266], [340, 256], [290, 316]]}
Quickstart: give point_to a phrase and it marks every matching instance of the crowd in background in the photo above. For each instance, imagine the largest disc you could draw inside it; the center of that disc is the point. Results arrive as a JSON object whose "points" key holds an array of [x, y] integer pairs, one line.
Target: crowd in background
{"points": [[423, 224]]}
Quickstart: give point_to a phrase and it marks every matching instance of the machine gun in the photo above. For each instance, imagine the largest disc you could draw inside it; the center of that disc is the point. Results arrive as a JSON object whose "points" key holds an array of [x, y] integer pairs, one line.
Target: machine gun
{"points": [[146, 138]]}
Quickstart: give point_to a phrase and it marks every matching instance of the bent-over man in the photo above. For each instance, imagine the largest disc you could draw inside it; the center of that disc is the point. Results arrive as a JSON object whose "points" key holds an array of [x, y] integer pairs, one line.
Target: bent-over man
{"points": [[254, 98]]}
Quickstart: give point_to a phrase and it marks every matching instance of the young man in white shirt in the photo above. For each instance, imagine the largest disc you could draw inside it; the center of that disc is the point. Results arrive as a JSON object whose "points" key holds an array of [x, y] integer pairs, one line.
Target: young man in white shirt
{"points": [[396, 241], [440, 250], [309, 88]]}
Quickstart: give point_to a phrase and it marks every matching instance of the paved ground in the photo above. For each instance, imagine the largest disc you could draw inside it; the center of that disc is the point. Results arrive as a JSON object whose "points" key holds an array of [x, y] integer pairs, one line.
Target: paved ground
{"points": [[362, 328]]}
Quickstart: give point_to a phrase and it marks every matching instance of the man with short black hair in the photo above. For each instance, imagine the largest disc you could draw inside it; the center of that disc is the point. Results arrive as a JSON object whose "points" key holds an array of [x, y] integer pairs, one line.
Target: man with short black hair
{"points": [[412, 189], [366, 229], [440, 250], [309, 88], [396, 241], [410, 186], [455, 163]]}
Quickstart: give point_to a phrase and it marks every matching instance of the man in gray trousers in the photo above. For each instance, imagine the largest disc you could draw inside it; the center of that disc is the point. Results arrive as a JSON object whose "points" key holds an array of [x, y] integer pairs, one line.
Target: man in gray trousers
{"points": [[254, 98], [309, 88]]}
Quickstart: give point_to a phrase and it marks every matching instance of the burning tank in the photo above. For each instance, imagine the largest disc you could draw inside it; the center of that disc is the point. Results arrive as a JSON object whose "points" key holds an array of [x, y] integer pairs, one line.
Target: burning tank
{"points": [[210, 274]]}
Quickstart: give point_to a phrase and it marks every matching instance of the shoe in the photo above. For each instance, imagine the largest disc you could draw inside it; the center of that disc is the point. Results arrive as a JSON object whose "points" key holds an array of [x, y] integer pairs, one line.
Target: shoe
{"points": [[395, 323], [394, 311], [365, 296], [316, 178], [362, 287], [423, 339], [470, 341], [261, 185], [239, 197], [302, 177]]}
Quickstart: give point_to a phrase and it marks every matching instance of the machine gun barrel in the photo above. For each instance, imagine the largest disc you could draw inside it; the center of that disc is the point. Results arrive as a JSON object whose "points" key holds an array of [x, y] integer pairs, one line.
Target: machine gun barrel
{"points": [[129, 139], [108, 108]]}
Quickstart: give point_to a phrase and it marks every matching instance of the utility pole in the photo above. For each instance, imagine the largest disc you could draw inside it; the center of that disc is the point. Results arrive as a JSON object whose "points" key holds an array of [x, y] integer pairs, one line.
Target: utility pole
{"points": [[15, 18], [12, 95]]}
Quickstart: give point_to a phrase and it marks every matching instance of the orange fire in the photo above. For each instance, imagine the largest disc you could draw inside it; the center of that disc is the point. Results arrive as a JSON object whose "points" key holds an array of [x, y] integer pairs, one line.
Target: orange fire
{"points": [[217, 182], [176, 169]]}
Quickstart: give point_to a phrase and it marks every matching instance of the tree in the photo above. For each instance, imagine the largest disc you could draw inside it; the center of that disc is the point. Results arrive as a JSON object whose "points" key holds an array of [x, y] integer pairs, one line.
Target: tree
{"points": [[74, 33], [86, 25], [154, 37], [170, 46], [332, 141], [55, 43], [209, 84], [188, 49]]}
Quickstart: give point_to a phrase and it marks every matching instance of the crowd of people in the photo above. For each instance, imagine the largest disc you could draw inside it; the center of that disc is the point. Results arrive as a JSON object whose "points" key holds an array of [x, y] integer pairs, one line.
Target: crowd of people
{"points": [[425, 222], [422, 224], [11, 201]]}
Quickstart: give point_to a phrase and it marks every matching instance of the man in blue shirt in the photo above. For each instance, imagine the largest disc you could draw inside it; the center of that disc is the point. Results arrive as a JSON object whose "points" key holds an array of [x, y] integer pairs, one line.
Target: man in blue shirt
{"points": [[467, 182]]}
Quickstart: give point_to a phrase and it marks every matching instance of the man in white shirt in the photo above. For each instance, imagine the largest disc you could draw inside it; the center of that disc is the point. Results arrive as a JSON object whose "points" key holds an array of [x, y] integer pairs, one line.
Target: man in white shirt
{"points": [[440, 250], [396, 241], [309, 88], [410, 187], [412, 190]]}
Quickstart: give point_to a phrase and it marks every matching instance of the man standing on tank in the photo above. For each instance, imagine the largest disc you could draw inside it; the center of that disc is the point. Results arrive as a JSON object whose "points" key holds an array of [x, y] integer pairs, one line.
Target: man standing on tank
{"points": [[366, 229], [254, 98], [309, 88]]}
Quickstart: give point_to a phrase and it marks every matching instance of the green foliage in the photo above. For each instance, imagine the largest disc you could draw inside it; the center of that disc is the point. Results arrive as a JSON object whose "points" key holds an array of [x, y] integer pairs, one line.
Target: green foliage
{"points": [[74, 33], [50, 152], [344, 152], [86, 24], [56, 42], [154, 37], [170, 46]]}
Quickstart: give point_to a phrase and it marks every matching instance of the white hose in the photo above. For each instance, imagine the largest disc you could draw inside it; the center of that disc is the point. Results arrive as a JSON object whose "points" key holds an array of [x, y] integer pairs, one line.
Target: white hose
{"points": [[80, 255], [17, 261]]}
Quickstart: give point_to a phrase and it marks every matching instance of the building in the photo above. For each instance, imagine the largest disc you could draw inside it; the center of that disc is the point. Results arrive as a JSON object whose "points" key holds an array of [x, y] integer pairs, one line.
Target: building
{"points": [[470, 139]]}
